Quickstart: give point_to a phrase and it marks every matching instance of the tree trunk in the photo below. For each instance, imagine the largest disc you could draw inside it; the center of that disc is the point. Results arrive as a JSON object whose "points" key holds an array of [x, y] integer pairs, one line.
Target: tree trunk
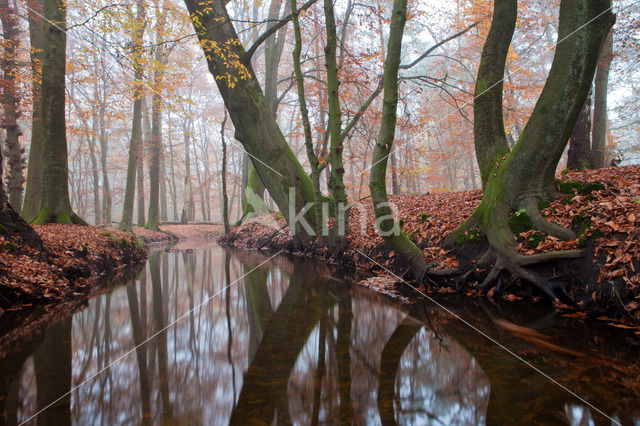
{"points": [[188, 209], [387, 226], [256, 128], [55, 205], [272, 55], [225, 201], [579, 157], [126, 223], [11, 223], [600, 104], [104, 153], [523, 178], [316, 167], [488, 130], [15, 158], [153, 216], [140, 173], [336, 179], [33, 193], [164, 211]]}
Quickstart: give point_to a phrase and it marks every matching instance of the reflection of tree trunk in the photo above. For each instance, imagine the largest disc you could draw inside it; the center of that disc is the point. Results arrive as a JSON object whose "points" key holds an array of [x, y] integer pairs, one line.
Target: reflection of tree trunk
{"points": [[227, 276], [343, 358], [258, 306], [141, 350], [512, 383], [266, 380], [320, 371], [10, 367], [52, 365], [161, 338], [389, 364]]}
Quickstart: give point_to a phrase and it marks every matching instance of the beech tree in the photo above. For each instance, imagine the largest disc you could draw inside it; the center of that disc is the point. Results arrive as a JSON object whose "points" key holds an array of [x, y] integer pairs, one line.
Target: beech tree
{"points": [[33, 191], [387, 226], [521, 177], [255, 125], [55, 205], [126, 224]]}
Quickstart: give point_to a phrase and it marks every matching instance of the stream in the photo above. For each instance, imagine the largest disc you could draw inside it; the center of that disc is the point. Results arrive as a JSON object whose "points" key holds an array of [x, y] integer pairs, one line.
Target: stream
{"points": [[208, 335]]}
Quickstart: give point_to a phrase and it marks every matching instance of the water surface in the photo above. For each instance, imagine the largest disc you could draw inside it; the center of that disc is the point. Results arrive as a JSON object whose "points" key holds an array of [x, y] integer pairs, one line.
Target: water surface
{"points": [[212, 336]]}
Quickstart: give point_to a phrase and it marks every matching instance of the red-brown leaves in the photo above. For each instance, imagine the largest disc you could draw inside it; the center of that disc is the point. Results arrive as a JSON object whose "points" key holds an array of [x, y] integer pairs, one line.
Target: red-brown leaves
{"points": [[73, 255]]}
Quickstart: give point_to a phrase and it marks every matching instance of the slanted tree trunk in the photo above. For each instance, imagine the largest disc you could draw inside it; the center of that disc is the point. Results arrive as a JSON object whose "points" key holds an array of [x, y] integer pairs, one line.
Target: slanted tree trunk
{"points": [[55, 206], [10, 101], [253, 197], [599, 146], [579, 156], [525, 176], [387, 226], [256, 128], [126, 223], [33, 193]]}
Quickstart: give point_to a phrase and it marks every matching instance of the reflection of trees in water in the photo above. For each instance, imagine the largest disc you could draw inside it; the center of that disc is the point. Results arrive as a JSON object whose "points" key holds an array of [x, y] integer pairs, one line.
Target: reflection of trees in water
{"points": [[52, 365], [439, 382], [283, 344]]}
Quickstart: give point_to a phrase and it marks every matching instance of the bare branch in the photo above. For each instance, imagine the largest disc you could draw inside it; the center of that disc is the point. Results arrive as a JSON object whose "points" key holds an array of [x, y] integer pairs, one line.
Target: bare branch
{"points": [[272, 30], [435, 46]]}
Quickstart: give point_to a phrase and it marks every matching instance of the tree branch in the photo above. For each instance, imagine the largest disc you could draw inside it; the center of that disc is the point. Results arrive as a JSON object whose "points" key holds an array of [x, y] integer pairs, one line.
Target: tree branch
{"points": [[249, 53], [435, 46]]}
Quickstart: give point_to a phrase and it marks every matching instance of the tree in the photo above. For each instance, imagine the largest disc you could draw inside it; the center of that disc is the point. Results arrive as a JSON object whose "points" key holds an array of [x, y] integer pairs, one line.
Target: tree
{"points": [[579, 155], [387, 226], [55, 206], [11, 224], [153, 216], [126, 224], [11, 104], [255, 126], [522, 177], [225, 201], [600, 104], [33, 192]]}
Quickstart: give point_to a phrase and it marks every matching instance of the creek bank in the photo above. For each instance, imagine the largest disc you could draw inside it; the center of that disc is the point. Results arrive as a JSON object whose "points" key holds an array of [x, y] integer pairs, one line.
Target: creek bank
{"points": [[601, 206], [72, 261]]}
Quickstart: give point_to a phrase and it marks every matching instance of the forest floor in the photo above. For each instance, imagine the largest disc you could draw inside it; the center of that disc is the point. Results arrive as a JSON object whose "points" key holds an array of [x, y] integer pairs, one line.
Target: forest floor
{"points": [[602, 206], [77, 258], [72, 259], [173, 232]]}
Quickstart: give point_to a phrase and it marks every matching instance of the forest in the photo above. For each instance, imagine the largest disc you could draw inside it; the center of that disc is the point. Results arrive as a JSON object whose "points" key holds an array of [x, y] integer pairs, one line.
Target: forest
{"points": [[216, 112], [480, 148]]}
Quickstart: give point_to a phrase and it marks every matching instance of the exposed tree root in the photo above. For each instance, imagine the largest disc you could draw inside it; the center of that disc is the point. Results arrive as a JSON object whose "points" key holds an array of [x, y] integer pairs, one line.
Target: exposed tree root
{"points": [[539, 222], [501, 256]]}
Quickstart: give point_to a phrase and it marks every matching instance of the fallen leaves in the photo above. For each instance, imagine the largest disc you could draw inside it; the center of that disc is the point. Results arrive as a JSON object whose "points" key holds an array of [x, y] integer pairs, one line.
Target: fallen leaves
{"points": [[73, 254], [608, 218]]}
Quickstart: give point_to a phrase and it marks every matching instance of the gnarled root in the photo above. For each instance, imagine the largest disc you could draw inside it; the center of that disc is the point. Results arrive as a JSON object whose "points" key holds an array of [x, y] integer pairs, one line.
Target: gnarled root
{"points": [[540, 223], [506, 259]]}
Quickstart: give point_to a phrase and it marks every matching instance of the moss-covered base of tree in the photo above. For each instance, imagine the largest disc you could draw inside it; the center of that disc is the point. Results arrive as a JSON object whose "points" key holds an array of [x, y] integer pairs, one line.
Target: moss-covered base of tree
{"points": [[45, 216]]}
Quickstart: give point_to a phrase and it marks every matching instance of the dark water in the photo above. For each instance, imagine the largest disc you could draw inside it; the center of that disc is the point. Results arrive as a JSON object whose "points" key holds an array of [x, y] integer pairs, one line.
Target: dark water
{"points": [[289, 342]]}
